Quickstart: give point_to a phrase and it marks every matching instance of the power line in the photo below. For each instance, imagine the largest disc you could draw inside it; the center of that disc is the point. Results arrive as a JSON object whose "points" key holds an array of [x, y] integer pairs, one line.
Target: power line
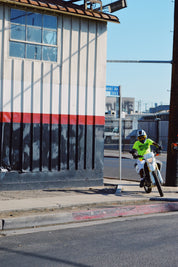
{"points": [[140, 61]]}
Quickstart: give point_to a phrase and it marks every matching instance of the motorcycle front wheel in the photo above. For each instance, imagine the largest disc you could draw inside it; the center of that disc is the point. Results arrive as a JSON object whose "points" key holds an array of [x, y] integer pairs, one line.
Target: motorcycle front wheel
{"points": [[147, 186], [148, 189], [158, 184]]}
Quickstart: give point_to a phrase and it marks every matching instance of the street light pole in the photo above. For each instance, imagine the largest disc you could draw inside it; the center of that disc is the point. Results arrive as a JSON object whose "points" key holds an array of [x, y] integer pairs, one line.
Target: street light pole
{"points": [[172, 152], [120, 133]]}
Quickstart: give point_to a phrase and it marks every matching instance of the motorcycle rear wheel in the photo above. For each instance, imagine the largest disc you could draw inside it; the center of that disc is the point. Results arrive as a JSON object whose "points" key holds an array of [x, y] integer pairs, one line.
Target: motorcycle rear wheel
{"points": [[158, 184]]}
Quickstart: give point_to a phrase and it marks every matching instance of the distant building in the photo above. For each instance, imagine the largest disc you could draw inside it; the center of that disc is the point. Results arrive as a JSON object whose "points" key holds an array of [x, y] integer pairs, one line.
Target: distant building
{"points": [[159, 108], [112, 106], [128, 105]]}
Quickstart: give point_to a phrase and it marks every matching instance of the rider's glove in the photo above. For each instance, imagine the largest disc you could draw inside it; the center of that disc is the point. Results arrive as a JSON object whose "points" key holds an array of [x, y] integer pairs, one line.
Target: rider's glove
{"points": [[160, 147], [134, 155]]}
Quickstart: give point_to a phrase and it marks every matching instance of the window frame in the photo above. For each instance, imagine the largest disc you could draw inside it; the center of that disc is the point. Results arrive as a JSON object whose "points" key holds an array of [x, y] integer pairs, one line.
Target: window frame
{"points": [[26, 43]]}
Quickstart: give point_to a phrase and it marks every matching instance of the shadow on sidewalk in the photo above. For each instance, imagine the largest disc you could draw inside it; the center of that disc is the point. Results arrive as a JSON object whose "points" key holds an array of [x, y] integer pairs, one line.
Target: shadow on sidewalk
{"points": [[111, 189]]}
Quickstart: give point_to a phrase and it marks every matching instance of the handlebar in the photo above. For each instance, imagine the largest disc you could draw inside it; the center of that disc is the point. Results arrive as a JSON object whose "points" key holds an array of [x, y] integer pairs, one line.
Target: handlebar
{"points": [[136, 156], [157, 151]]}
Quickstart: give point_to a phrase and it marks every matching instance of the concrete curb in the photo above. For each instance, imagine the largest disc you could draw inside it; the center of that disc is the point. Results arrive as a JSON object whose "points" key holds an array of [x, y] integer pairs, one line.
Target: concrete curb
{"points": [[36, 221], [167, 199], [84, 215]]}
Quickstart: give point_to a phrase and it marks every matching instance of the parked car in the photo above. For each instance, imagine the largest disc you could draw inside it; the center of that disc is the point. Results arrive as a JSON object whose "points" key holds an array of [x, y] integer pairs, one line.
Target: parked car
{"points": [[111, 136], [132, 137]]}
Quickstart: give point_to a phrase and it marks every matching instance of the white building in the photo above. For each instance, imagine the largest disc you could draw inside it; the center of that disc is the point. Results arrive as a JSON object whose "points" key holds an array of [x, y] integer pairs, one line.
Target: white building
{"points": [[52, 87]]}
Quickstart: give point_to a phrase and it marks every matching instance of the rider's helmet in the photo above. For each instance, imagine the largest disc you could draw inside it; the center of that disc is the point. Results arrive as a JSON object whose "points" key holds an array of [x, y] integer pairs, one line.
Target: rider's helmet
{"points": [[142, 136]]}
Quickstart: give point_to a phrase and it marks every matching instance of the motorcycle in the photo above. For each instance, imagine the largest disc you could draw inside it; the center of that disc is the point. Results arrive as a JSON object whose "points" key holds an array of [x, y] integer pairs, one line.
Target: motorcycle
{"points": [[152, 172]]}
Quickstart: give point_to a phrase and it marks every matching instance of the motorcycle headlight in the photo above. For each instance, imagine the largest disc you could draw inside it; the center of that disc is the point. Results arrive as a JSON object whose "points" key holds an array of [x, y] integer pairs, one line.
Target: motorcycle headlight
{"points": [[150, 160]]}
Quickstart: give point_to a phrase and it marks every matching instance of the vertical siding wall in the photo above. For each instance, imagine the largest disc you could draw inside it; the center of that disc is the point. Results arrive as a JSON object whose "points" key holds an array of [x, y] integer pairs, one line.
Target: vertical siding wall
{"points": [[52, 114]]}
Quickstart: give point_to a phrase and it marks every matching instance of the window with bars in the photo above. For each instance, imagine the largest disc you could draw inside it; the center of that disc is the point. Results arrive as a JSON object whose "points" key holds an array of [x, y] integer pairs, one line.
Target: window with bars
{"points": [[33, 35]]}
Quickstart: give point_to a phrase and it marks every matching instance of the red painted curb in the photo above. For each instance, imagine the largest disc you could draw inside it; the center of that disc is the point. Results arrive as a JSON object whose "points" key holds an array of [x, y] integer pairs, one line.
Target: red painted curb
{"points": [[124, 211]]}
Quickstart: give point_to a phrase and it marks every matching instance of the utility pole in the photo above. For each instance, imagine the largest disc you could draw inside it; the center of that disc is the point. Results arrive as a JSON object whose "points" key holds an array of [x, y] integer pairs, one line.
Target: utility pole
{"points": [[172, 150]]}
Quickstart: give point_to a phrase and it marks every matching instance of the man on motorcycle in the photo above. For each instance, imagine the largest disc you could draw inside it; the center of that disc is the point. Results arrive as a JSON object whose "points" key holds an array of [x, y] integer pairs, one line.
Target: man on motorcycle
{"points": [[142, 147]]}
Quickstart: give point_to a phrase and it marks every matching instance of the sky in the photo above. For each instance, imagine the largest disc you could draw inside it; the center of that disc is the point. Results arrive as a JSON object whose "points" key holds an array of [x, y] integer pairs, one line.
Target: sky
{"points": [[145, 32]]}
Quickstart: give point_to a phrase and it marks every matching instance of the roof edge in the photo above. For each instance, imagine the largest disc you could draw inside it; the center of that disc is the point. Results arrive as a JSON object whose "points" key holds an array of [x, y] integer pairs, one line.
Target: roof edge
{"points": [[89, 14]]}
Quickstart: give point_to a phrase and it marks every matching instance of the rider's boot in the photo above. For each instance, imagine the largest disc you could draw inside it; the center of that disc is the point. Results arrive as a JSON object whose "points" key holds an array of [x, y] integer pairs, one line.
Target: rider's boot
{"points": [[142, 182], [142, 178]]}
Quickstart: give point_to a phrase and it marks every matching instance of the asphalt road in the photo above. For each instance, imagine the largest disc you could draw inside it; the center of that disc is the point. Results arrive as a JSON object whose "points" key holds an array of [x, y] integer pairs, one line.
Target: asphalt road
{"points": [[137, 241], [111, 168]]}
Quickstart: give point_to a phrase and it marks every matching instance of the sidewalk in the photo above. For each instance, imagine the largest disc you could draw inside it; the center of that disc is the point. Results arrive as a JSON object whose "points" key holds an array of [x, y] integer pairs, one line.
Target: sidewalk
{"points": [[35, 208]]}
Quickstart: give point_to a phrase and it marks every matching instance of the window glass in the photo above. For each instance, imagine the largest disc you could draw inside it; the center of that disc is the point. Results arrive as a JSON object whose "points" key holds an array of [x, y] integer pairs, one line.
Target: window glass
{"points": [[49, 37], [33, 51], [33, 34], [49, 22], [18, 16], [17, 32], [17, 49], [50, 53], [34, 19]]}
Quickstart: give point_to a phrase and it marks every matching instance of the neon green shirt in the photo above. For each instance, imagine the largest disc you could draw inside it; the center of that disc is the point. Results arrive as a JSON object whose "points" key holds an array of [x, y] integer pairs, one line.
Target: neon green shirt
{"points": [[141, 148]]}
